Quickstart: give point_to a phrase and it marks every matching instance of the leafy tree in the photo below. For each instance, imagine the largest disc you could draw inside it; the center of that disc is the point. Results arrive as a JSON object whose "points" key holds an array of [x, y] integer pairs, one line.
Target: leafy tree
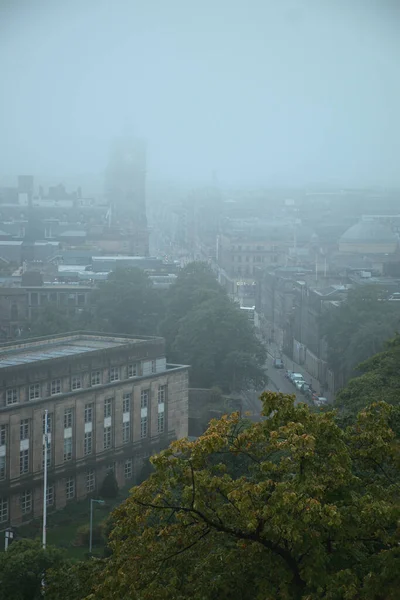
{"points": [[379, 380], [209, 332], [74, 581], [358, 329], [109, 487], [23, 567], [127, 303], [312, 512]]}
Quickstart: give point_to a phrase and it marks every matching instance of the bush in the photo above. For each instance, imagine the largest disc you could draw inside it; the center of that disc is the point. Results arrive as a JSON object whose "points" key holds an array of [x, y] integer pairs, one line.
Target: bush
{"points": [[83, 535]]}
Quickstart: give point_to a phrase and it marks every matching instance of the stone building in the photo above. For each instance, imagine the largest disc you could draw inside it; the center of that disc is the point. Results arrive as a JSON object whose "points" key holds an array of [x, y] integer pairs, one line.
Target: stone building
{"points": [[112, 401]]}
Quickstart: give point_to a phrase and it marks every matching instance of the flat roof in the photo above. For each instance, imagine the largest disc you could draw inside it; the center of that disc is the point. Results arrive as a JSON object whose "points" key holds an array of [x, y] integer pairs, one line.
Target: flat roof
{"points": [[62, 347]]}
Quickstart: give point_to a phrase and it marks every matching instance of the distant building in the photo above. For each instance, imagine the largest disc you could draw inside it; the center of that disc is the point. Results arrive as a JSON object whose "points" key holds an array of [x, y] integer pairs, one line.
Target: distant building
{"points": [[112, 401], [369, 237]]}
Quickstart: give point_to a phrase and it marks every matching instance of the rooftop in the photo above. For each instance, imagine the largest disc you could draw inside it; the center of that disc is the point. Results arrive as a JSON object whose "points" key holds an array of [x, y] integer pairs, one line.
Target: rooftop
{"points": [[62, 346]]}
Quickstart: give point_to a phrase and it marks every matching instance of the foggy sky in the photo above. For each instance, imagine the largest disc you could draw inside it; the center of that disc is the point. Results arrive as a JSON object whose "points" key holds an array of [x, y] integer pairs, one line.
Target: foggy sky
{"points": [[261, 91]]}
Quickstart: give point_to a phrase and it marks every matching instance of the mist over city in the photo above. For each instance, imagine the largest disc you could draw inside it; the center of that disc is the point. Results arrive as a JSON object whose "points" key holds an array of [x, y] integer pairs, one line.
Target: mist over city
{"points": [[199, 300]]}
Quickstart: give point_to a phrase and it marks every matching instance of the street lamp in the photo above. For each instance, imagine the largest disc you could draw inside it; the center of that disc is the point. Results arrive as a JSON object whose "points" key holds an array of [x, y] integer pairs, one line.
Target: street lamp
{"points": [[92, 500]]}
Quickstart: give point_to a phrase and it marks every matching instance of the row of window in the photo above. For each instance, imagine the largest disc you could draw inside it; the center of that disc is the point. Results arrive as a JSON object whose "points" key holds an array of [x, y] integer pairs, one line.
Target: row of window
{"points": [[247, 258], [24, 456], [26, 497], [55, 386]]}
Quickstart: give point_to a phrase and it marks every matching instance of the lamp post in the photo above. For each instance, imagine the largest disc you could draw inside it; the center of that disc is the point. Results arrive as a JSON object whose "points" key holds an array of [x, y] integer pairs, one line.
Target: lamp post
{"points": [[92, 500], [45, 452]]}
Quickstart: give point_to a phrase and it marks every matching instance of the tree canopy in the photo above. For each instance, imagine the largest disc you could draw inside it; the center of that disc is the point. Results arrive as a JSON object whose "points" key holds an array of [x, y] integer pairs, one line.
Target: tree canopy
{"points": [[311, 512], [358, 329]]}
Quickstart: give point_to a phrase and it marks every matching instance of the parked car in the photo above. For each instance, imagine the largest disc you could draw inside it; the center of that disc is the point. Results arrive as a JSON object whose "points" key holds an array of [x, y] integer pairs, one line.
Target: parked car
{"points": [[320, 401], [305, 388], [288, 375], [295, 377], [299, 383], [278, 363]]}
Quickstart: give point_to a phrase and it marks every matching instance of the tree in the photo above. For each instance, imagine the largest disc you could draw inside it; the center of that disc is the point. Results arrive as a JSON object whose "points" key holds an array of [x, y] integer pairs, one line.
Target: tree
{"points": [[358, 329], [311, 513], [379, 380], [127, 303], [74, 581], [23, 567], [109, 487], [208, 331]]}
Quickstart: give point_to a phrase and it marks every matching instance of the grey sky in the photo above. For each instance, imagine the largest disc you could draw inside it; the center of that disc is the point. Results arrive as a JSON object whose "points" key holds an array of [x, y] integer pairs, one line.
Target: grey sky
{"points": [[259, 90]]}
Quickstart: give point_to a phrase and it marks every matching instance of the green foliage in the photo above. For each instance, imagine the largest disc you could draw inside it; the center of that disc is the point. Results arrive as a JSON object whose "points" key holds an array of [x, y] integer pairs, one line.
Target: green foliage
{"points": [[83, 535], [380, 380], [109, 487], [206, 330], [22, 569], [74, 581], [358, 328], [127, 303], [311, 512]]}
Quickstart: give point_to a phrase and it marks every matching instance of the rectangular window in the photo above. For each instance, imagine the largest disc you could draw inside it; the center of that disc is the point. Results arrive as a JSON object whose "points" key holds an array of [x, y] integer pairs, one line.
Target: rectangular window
{"points": [[67, 449], [114, 374], [67, 418], [34, 391], [50, 496], [126, 432], [87, 443], [70, 488], [88, 413], [55, 387], [26, 502], [160, 423], [107, 438], [144, 398], [107, 407], [48, 456], [143, 427], [76, 382], [90, 481], [24, 429], [12, 395], [3, 510], [153, 366], [126, 403], [128, 469], [49, 423], [162, 394], [96, 378], [3, 435], [134, 370], [3, 469]]}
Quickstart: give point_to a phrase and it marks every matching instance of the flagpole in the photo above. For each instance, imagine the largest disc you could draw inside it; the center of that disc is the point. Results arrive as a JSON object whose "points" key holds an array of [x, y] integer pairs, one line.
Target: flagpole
{"points": [[45, 440]]}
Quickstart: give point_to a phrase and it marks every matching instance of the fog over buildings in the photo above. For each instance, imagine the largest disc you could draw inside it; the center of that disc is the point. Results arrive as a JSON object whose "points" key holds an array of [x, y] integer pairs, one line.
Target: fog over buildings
{"points": [[261, 91]]}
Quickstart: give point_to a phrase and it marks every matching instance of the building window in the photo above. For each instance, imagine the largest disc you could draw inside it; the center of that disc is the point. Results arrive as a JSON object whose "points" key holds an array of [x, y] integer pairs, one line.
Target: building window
{"points": [[67, 418], [3, 469], [67, 449], [114, 374], [107, 407], [143, 426], [144, 398], [3, 510], [162, 394], [12, 395], [96, 378], [70, 488], [90, 481], [56, 387], [3, 435], [26, 502], [107, 438], [34, 391], [24, 429], [76, 382], [134, 370], [50, 496], [88, 413], [126, 432], [49, 423], [160, 423], [153, 366], [126, 403], [87, 443], [128, 469]]}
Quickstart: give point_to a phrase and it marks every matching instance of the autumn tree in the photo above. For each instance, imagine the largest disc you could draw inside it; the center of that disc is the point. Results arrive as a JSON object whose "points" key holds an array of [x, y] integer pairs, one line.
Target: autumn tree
{"points": [[311, 512]]}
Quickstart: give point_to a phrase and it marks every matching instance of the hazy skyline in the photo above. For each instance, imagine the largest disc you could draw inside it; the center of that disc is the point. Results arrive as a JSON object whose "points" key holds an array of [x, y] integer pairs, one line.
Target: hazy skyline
{"points": [[260, 91]]}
